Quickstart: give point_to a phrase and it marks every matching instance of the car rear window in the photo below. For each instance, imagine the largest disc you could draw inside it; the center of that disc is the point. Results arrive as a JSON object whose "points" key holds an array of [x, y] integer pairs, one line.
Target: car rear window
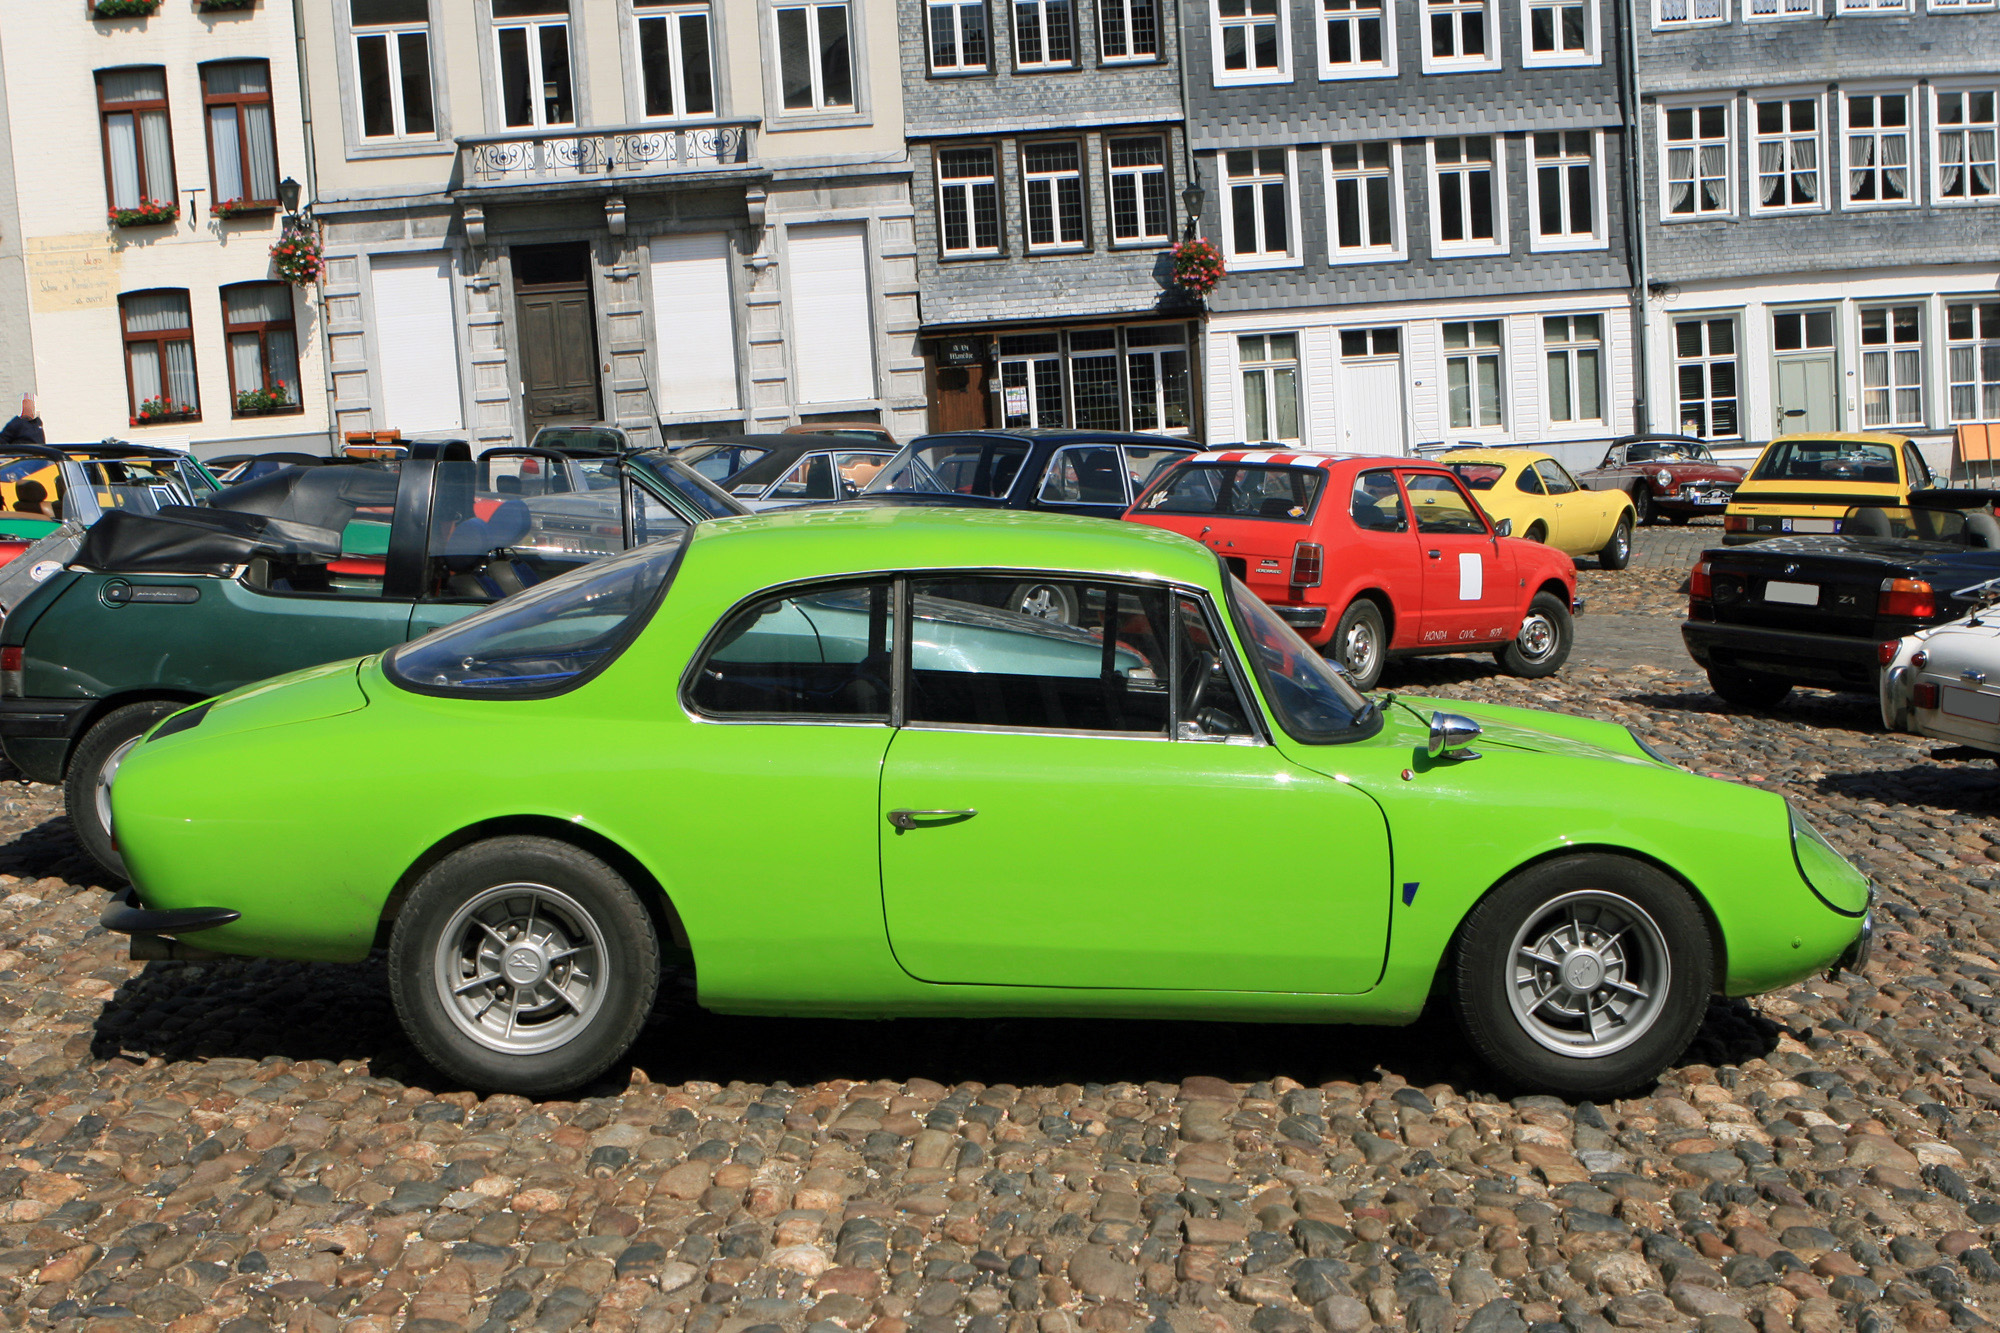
{"points": [[1826, 460], [967, 465], [1239, 490], [547, 639], [1478, 476]]}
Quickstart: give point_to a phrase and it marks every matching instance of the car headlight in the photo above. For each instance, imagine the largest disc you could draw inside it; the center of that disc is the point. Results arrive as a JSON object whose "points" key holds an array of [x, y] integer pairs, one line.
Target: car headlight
{"points": [[1664, 477]]}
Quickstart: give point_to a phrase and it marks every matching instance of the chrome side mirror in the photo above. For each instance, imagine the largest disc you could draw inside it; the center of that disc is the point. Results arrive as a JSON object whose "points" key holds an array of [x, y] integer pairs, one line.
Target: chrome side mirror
{"points": [[1504, 528], [1450, 734]]}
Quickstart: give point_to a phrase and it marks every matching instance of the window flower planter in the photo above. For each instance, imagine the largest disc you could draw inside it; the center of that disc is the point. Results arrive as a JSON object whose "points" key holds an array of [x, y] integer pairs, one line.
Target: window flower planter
{"points": [[219, 6], [124, 9], [157, 411], [148, 213], [265, 402], [237, 208]]}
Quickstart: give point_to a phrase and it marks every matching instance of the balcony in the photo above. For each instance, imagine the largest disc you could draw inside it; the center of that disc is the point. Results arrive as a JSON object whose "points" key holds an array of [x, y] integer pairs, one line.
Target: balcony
{"points": [[547, 161]]}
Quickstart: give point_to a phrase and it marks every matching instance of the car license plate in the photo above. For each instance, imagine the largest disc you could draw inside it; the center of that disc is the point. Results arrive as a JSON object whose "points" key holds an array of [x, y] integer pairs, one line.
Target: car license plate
{"points": [[1796, 594], [1975, 705], [1812, 525]]}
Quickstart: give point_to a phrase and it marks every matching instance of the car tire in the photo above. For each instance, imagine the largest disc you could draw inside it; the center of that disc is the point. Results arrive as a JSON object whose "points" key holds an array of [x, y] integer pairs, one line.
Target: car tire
{"points": [[1617, 552], [1584, 977], [1643, 512], [1044, 601], [1749, 689], [562, 904], [92, 765], [1536, 533], [1360, 643], [1541, 646]]}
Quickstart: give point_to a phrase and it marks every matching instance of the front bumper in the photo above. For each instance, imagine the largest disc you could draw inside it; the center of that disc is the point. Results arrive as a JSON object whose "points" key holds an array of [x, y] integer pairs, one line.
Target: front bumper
{"points": [[1831, 661], [125, 915], [1856, 958]]}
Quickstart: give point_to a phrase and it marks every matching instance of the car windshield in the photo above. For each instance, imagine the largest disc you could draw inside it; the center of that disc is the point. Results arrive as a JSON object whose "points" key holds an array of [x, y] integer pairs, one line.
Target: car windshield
{"points": [[1826, 460], [961, 465], [1238, 490], [1478, 476], [141, 485], [689, 483], [720, 462], [541, 641], [1312, 700], [1664, 451]]}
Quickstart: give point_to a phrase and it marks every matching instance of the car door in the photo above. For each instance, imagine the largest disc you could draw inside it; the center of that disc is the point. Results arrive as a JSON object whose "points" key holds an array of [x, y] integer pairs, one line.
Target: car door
{"points": [[1467, 597], [1043, 821], [1579, 525]]}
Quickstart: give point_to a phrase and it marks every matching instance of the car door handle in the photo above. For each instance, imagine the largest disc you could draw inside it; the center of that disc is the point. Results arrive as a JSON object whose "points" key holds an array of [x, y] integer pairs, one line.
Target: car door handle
{"points": [[1437, 555], [905, 820]]}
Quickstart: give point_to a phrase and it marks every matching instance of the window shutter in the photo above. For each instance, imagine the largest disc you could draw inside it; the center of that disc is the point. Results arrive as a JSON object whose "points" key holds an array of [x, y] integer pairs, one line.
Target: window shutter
{"points": [[416, 344], [833, 336], [694, 324]]}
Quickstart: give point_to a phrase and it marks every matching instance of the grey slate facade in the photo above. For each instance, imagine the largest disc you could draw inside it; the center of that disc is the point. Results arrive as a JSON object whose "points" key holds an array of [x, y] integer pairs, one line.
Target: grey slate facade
{"points": [[1356, 338], [1051, 307], [1822, 215]]}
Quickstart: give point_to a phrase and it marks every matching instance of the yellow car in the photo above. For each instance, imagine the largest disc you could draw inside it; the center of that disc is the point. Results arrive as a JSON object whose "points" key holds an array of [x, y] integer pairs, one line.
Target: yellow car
{"points": [[1546, 504], [1805, 483]]}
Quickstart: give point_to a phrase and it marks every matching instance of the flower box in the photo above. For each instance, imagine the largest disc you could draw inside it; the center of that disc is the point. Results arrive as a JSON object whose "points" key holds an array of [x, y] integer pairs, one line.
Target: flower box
{"points": [[263, 402], [124, 9], [297, 257], [217, 6], [148, 213], [154, 411], [236, 208]]}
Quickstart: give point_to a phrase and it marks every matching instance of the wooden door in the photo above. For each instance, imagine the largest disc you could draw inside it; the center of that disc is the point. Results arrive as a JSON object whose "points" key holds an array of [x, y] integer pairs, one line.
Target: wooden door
{"points": [[959, 398], [558, 355]]}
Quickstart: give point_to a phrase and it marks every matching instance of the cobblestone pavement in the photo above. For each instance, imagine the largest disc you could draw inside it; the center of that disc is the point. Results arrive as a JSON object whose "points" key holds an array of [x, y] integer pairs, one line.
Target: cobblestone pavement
{"points": [[249, 1146]]}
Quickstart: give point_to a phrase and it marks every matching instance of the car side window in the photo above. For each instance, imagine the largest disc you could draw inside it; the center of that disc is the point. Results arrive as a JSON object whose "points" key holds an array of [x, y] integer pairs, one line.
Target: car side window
{"points": [[1529, 480], [1553, 476], [819, 652], [973, 663], [1613, 458], [1919, 470], [1378, 503], [1209, 704], [1143, 463], [1085, 474], [811, 479], [1441, 507]]}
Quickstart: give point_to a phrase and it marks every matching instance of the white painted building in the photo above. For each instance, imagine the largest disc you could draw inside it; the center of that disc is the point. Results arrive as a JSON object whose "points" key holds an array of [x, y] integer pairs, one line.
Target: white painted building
{"points": [[169, 329]]}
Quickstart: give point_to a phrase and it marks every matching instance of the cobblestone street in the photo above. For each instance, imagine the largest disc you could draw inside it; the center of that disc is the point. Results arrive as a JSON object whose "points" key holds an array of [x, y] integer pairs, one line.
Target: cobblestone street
{"points": [[243, 1147]]}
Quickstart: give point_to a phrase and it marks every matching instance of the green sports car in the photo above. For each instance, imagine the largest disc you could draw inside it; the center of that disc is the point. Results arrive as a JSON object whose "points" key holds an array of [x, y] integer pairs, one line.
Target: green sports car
{"points": [[803, 756]]}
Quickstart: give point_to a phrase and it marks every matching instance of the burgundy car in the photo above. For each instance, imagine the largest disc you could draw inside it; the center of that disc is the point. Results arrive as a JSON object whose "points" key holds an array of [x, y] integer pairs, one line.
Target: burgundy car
{"points": [[1668, 476]]}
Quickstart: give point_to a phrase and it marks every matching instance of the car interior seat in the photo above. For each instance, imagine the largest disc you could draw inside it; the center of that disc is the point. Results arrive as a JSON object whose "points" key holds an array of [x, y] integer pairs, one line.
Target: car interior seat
{"points": [[1983, 530], [1868, 521], [475, 551]]}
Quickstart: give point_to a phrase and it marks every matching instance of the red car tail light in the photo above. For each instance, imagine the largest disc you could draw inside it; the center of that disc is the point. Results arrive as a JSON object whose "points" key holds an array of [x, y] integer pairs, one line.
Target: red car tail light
{"points": [[1906, 597], [1307, 560], [1700, 584], [1736, 523], [1919, 660], [1885, 651], [10, 658], [1925, 695]]}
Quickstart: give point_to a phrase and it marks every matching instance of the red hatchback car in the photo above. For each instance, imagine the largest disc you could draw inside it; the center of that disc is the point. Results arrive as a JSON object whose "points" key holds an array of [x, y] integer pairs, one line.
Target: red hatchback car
{"points": [[1371, 557]]}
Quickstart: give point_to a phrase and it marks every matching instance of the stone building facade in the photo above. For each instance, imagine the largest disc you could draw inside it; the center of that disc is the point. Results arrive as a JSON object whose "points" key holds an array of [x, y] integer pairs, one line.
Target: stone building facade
{"points": [[1421, 205], [683, 215], [1047, 166], [1822, 214]]}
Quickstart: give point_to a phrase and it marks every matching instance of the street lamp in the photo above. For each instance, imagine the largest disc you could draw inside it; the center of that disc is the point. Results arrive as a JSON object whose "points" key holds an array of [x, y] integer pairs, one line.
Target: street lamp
{"points": [[1194, 197], [288, 195]]}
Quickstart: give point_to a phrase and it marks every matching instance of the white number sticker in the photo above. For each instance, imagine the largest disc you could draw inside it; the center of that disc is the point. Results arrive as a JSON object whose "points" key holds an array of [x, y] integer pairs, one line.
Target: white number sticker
{"points": [[1471, 576]]}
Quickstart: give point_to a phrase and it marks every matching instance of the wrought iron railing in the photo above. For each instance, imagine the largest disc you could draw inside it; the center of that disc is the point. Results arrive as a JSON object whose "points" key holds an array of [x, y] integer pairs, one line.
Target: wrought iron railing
{"points": [[601, 154]]}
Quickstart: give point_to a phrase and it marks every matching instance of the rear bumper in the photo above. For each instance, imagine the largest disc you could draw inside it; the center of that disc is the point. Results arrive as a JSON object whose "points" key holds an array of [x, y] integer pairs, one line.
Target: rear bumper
{"points": [[1858, 953], [126, 916], [37, 734], [1304, 618], [1831, 661]]}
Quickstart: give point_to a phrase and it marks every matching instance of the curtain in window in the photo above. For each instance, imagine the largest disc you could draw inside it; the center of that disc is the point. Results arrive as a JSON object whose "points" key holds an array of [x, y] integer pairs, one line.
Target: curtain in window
{"points": [[162, 312], [1715, 175], [246, 361], [227, 145], [156, 312], [180, 376], [1982, 162], [1489, 390], [1805, 171], [145, 358], [159, 151], [284, 367], [1895, 167], [1771, 171], [122, 134], [258, 303], [1680, 180]]}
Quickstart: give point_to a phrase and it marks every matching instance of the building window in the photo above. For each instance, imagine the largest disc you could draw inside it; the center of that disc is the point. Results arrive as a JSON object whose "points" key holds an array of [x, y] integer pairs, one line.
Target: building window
{"points": [[1972, 349], [1466, 204], [1252, 39], [1873, 6], [1093, 379], [1697, 160], [159, 356], [1472, 374], [1043, 36], [1156, 377], [138, 143], [1270, 364], [1365, 200], [242, 142], [1878, 148], [1355, 38], [1959, 6], [1574, 348], [814, 63], [1141, 202], [1705, 376], [676, 69], [1566, 204], [1052, 176], [1561, 32], [1260, 202], [1460, 31], [535, 87], [1687, 13], [968, 201], [958, 37], [263, 348], [1787, 146], [1031, 381], [392, 63], [1782, 9], [1128, 29], [1892, 366], [1966, 162]]}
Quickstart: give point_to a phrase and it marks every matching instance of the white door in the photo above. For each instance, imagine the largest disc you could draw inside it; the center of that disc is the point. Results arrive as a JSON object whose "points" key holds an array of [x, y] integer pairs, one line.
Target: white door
{"points": [[834, 337], [416, 347], [1371, 392], [694, 326]]}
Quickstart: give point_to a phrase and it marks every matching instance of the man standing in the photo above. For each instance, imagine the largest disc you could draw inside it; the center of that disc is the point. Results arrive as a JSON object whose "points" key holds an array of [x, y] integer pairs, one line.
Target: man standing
{"points": [[26, 428]]}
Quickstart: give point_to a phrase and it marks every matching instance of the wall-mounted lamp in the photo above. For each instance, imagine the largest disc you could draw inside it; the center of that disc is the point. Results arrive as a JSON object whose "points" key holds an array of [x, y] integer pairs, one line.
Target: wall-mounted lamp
{"points": [[1193, 197], [288, 195]]}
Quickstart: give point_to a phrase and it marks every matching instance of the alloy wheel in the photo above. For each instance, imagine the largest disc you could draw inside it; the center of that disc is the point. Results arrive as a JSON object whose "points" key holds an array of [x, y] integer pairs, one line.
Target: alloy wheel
{"points": [[1588, 973], [520, 968], [1357, 650], [1044, 601], [101, 793], [1538, 636]]}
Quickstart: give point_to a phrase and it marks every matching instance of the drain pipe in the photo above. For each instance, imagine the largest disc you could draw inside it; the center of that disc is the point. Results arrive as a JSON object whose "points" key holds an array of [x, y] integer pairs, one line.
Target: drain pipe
{"points": [[1635, 214], [312, 193]]}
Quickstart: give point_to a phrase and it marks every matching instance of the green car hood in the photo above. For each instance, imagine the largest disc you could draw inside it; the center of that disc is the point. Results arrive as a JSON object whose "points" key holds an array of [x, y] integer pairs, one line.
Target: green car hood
{"points": [[299, 696], [1408, 719]]}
